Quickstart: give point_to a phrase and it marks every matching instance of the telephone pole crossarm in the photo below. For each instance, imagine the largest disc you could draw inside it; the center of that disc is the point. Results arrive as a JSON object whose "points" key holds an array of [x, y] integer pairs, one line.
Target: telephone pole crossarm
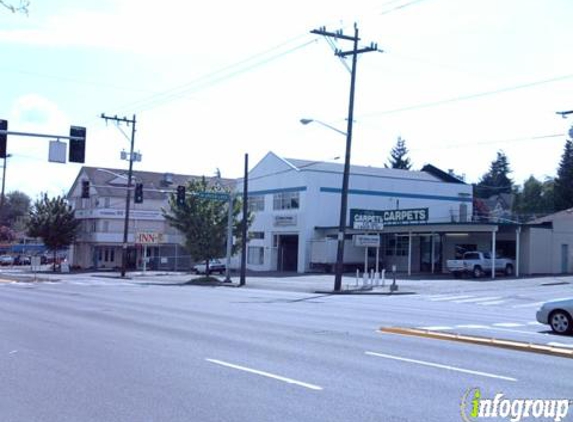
{"points": [[338, 34]]}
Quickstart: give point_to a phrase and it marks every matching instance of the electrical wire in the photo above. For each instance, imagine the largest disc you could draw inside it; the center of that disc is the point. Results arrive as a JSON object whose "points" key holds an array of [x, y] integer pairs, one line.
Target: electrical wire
{"points": [[469, 96], [499, 141], [226, 72]]}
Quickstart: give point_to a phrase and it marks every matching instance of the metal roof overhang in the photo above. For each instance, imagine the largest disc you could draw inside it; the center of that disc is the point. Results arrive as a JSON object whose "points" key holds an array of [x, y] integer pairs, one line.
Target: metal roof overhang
{"points": [[436, 228]]}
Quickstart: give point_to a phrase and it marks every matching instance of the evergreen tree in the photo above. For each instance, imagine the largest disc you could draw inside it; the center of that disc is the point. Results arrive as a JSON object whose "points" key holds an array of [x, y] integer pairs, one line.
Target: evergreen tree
{"points": [[496, 180], [564, 181], [203, 221], [53, 221], [398, 159]]}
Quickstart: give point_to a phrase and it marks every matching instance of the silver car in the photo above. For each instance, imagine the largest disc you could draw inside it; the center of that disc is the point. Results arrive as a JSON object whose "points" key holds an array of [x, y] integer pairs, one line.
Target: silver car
{"points": [[558, 314]]}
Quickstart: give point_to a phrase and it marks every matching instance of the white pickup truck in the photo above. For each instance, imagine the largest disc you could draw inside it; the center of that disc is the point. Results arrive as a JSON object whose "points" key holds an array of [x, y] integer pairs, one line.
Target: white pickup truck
{"points": [[478, 264]]}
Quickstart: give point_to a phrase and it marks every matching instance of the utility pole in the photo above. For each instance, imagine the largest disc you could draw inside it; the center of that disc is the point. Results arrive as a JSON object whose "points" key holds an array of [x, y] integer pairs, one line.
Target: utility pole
{"points": [[346, 175], [127, 121], [243, 276]]}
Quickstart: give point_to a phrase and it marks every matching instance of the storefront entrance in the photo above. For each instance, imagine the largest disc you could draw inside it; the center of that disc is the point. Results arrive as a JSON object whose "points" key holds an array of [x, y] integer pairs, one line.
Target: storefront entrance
{"points": [[287, 252], [430, 251]]}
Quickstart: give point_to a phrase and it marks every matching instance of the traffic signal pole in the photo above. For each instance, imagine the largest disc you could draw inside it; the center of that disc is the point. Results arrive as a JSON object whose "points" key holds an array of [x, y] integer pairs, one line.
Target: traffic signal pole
{"points": [[127, 121]]}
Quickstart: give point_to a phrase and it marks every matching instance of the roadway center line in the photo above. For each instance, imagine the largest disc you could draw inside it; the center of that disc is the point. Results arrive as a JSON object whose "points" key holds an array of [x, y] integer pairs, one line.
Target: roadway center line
{"points": [[264, 374], [438, 365]]}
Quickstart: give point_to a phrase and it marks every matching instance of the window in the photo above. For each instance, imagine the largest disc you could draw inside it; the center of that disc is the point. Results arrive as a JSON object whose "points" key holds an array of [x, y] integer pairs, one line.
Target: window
{"points": [[256, 203], [256, 235], [255, 255], [397, 246], [286, 201]]}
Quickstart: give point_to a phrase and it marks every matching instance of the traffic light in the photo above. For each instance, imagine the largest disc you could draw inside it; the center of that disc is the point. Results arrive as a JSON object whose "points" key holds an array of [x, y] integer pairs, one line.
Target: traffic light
{"points": [[3, 138], [138, 198], [85, 189], [77, 152], [180, 195]]}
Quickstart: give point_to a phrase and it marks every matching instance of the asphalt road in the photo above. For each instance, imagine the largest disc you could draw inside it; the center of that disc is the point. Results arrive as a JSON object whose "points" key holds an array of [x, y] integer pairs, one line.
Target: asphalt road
{"points": [[136, 352]]}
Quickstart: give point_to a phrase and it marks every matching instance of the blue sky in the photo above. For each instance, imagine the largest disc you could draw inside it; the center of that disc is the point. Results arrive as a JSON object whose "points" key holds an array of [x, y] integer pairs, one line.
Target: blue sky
{"points": [[459, 80]]}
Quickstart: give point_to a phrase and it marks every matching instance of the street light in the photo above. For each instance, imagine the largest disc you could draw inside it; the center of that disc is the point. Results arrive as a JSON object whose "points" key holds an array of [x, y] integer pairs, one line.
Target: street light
{"points": [[307, 121], [343, 199]]}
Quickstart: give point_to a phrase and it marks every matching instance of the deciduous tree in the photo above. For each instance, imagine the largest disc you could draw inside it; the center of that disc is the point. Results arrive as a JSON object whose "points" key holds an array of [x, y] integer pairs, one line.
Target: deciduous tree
{"points": [[203, 221], [53, 221]]}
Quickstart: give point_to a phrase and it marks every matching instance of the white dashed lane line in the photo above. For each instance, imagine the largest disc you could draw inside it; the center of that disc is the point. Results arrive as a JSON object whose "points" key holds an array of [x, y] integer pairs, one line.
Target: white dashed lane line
{"points": [[264, 374], [441, 366]]}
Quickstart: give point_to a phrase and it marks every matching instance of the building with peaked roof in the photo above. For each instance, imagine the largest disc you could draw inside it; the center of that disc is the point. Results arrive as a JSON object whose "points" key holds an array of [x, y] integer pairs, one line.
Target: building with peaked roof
{"points": [[296, 205], [151, 240]]}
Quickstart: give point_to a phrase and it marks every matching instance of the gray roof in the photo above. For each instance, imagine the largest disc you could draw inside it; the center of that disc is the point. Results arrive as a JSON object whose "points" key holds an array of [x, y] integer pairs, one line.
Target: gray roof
{"points": [[361, 170], [109, 182]]}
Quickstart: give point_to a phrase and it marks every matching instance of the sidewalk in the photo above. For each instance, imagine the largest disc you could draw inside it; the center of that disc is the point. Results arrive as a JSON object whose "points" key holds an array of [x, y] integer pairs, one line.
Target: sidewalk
{"points": [[304, 283]]}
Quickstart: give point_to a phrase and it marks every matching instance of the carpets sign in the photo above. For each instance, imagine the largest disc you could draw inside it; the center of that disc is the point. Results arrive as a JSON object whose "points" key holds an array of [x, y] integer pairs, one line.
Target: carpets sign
{"points": [[375, 219]]}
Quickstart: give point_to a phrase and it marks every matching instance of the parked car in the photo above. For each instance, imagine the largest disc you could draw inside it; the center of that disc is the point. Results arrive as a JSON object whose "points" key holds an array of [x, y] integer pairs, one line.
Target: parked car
{"points": [[22, 260], [478, 264], [558, 314], [215, 266], [6, 260]]}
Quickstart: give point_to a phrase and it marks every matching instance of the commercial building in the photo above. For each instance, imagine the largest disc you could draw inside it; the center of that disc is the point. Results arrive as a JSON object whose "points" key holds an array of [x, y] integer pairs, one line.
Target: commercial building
{"points": [[151, 240], [409, 220]]}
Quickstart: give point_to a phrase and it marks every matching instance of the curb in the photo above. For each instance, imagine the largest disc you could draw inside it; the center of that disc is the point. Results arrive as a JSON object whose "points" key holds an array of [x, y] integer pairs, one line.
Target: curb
{"points": [[482, 341]]}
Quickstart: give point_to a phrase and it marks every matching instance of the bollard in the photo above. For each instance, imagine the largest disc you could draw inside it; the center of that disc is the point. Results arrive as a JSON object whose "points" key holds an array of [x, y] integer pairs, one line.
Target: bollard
{"points": [[393, 286], [357, 277], [384, 278]]}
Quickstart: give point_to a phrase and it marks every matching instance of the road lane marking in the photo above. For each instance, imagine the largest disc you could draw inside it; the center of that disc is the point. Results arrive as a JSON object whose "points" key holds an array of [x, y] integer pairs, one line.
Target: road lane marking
{"points": [[477, 299], [495, 302], [534, 323], [508, 324], [528, 305], [439, 365], [264, 374], [444, 298]]}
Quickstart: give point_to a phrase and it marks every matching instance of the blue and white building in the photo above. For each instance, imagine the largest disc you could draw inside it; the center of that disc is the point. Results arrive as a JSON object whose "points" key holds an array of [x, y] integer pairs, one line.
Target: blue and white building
{"points": [[296, 204]]}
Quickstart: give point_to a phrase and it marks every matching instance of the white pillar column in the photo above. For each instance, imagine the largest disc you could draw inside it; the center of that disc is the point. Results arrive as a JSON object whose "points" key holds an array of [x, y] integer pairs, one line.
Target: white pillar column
{"points": [[409, 253]]}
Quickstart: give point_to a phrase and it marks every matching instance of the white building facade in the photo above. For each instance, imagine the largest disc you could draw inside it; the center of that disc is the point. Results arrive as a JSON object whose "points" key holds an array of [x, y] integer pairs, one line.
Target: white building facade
{"points": [[296, 203]]}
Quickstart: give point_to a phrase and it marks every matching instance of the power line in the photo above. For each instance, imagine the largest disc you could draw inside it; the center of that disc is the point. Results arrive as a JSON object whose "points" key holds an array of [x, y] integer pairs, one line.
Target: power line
{"points": [[402, 6], [469, 96], [185, 88], [499, 141]]}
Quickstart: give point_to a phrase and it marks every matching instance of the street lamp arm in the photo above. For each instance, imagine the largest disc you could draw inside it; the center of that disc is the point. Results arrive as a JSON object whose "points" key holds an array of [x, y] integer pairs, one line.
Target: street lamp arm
{"points": [[307, 121]]}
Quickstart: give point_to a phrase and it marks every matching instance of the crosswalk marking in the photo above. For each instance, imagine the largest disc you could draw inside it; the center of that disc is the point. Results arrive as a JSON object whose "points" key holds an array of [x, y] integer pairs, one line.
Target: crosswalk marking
{"points": [[495, 302]]}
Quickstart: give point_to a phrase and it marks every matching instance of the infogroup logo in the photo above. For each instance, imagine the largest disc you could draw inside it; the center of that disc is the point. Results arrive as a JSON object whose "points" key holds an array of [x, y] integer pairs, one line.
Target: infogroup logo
{"points": [[474, 408]]}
